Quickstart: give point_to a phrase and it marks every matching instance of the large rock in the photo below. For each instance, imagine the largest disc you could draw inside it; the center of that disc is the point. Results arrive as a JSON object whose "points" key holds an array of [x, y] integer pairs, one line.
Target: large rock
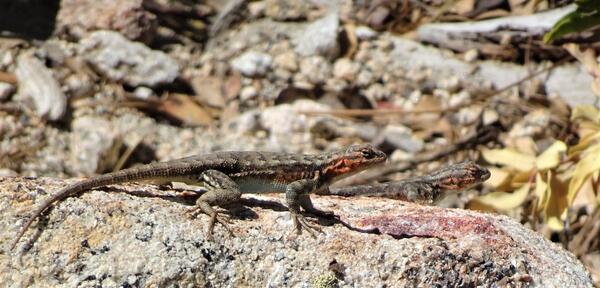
{"points": [[77, 18], [131, 62], [115, 237]]}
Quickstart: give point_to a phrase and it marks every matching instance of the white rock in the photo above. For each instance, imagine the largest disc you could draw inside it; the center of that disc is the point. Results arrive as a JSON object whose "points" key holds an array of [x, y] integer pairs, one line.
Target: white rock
{"points": [[247, 93], [346, 69], [365, 33], [134, 63], [143, 93], [287, 61], [315, 69], [37, 82], [319, 38], [252, 64], [6, 89]]}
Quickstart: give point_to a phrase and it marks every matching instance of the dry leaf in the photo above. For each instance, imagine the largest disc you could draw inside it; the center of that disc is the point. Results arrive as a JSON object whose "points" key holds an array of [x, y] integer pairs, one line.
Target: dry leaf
{"points": [[541, 192], [551, 157], [501, 200], [511, 158], [185, 109], [499, 179], [589, 163], [555, 211]]}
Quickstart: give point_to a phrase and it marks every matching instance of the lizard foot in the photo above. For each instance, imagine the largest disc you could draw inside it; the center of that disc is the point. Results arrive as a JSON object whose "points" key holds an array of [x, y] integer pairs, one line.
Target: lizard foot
{"points": [[214, 217], [300, 222]]}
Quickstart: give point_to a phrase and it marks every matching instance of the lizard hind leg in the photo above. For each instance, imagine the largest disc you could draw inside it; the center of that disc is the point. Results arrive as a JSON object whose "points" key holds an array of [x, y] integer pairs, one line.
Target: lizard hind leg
{"points": [[222, 191]]}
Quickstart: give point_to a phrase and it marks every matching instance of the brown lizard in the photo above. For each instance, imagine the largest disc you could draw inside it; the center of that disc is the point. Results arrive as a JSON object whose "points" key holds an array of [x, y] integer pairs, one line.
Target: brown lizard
{"points": [[426, 189], [227, 175]]}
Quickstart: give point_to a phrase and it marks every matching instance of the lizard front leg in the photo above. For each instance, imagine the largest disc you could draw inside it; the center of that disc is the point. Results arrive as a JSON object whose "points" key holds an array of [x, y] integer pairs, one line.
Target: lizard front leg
{"points": [[222, 191], [295, 196]]}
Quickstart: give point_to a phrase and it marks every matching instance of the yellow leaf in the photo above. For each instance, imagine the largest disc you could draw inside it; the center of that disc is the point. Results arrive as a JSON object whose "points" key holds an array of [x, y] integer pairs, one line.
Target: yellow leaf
{"points": [[519, 179], [541, 192], [556, 209], [584, 143], [586, 112], [589, 163], [502, 200], [510, 158], [555, 224], [550, 158], [499, 178]]}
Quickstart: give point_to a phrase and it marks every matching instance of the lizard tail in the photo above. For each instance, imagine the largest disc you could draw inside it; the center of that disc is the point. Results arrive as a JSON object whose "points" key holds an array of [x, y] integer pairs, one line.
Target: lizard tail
{"points": [[76, 188]]}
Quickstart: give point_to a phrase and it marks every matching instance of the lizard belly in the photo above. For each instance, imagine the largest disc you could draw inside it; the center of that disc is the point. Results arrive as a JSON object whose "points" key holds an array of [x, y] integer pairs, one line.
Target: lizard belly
{"points": [[259, 185]]}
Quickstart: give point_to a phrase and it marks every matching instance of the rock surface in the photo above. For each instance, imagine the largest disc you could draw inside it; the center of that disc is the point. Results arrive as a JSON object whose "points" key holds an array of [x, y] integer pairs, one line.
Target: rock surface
{"points": [[135, 238]]}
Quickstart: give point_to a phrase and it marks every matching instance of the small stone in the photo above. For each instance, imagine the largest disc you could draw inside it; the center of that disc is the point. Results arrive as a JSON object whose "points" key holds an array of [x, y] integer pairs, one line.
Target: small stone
{"points": [[247, 93], [345, 69], [319, 38], [143, 93], [452, 84], [489, 116], [365, 33], [459, 99], [257, 8], [376, 92], [287, 61], [316, 69], [471, 55], [37, 82], [92, 142], [399, 137], [252, 64], [6, 89]]}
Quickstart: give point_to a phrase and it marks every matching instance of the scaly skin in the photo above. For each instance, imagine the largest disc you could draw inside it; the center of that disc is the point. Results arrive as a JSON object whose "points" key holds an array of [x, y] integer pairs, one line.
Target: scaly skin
{"points": [[227, 175], [424, 189]]}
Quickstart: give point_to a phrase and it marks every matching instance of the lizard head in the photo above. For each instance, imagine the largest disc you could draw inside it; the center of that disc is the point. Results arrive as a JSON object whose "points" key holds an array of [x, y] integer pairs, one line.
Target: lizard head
{"points": [[460, 176], [351, 160]]}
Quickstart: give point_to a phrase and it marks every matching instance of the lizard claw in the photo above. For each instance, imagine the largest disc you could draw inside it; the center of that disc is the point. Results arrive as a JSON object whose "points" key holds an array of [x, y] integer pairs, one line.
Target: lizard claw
{"points": [[300, 222]]}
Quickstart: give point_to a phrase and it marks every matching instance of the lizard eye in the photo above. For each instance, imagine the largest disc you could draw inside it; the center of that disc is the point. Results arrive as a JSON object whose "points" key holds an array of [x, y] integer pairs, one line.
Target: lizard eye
{"points": [[368, 153]]}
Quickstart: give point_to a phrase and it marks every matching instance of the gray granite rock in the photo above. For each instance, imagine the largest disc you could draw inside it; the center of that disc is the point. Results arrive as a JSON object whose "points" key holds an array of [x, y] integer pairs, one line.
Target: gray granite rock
{"points": [[319, 38], [120, 59], [136, 235], [77, 18], [252, 64], [37, 83]]}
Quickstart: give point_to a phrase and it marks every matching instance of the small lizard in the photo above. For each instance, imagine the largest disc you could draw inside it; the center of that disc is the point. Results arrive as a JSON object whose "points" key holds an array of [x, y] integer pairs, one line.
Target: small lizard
{"points": [[426, 189], [228, 175]]}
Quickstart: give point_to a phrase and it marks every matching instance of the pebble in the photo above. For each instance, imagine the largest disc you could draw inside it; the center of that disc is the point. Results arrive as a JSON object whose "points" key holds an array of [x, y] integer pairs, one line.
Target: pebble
{"points": [[315, 69], [252, 63], [143, 93], [399, 137], [6, 89], [345, 69], [287, 61], [247, 93], [365, 33]]}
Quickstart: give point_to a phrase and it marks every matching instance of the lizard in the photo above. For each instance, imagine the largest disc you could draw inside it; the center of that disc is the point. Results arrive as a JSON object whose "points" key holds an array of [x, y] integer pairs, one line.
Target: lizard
{"points": [[229, 174], [425, 189]]}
